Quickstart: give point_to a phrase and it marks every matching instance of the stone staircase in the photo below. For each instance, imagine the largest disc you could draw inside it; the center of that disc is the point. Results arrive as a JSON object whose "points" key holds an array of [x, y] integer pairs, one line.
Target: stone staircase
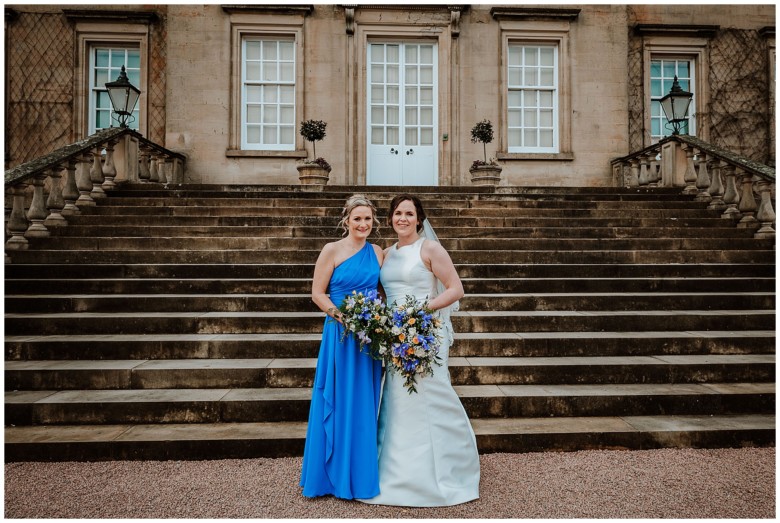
{"points": [[177, 324]]}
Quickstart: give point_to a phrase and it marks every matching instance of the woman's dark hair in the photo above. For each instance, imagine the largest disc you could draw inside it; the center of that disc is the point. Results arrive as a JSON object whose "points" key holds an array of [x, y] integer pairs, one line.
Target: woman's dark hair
{"points": [[417, 205]]}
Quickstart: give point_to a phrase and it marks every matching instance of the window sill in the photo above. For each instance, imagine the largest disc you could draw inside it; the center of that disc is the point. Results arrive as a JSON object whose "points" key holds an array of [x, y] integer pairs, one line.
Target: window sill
{"points": [[239, 153], [561, 157]]}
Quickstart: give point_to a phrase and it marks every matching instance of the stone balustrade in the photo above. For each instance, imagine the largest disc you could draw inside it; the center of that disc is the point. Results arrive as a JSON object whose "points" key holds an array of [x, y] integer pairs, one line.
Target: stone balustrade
{"points": [[739, 188], [77, 175]]}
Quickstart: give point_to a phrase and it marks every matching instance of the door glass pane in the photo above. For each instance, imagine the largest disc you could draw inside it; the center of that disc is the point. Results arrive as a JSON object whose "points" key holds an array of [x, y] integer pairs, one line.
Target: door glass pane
{"points": [[426, 136], [411, 95], [377, 115], [411, 136], [411, 116], [377, 94], [426, 116], [392, 115], [392, 136], [426, 95], [377, 135]]}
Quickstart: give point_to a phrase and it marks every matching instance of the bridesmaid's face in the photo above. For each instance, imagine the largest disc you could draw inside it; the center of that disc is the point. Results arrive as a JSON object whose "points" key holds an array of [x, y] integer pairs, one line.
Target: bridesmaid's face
{"points": [[405, 218], [361, 222]]}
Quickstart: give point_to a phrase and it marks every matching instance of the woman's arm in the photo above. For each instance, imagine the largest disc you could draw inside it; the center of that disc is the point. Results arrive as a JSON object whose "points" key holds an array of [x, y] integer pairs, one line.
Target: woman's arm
{"points": [[323, 270], [441, 266]]}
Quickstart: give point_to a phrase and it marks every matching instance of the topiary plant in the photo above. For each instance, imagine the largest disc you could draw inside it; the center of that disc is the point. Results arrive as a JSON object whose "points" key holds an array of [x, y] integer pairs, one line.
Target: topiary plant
{"points": [[482, 132], [313, 131]]}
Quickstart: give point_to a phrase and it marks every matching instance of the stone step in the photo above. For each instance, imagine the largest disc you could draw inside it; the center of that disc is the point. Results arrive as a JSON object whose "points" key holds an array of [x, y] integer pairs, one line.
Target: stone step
{"points": [[228, 286], [100, 407], [311, 322], [243, 346], [33, 375], [713, 255], [617, 211], [329, 223], [218, 271], [328, 233], [620, 301], [249, 440]]}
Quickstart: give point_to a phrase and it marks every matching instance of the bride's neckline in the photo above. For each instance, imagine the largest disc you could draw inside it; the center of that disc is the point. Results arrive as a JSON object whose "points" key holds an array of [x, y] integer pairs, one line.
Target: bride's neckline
{"points": [[399, 247]]}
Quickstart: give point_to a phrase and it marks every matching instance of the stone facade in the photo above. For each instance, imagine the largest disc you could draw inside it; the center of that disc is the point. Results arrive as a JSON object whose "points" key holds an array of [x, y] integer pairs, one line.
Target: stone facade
{"points": [[192, 82]]}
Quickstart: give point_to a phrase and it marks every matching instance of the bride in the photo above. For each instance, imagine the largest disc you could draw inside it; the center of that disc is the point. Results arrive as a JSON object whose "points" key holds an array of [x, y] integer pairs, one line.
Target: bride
{"points": [[427, 449]]}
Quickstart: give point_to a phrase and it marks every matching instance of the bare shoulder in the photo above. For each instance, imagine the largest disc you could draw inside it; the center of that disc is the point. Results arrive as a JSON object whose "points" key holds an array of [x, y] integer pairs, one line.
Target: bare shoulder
{"points": [[380, 254], [431, 249]]}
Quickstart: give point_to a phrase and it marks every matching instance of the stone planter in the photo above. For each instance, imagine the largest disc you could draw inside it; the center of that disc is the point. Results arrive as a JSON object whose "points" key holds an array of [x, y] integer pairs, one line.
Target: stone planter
{"points": [[312, 174], [485, 175]]}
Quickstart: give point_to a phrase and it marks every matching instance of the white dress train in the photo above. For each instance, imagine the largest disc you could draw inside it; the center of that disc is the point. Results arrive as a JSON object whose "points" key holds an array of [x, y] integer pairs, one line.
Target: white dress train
{"points": [[427, 449]]}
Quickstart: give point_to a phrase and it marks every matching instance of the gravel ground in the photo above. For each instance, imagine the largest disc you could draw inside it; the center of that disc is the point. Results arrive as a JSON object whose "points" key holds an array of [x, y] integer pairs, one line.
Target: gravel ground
{"points": [[670, 483]]}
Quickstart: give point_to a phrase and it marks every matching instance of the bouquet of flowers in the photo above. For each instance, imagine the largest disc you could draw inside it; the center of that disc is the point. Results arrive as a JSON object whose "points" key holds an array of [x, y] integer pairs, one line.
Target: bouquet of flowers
{"points": [[413, 344], [365, 315]]}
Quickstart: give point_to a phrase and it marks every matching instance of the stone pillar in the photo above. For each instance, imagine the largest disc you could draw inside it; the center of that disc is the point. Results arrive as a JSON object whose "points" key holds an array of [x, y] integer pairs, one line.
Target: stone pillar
{"points": [[109, 169], [143, 164], [731, 196], [716, 189], [17, 221], [703, 180], [161, 165], [153, 177], [690, 171], [747, 203], [84, 183], [644, 179], [55, 203], [96, 174], [37, 212], [765, 214], [70, 191]]}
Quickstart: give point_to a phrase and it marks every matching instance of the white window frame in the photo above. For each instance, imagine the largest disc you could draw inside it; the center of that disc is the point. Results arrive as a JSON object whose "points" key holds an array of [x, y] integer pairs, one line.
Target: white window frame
{"points": [[267, 86], [686, 83], [134, 74], [527, 88]]}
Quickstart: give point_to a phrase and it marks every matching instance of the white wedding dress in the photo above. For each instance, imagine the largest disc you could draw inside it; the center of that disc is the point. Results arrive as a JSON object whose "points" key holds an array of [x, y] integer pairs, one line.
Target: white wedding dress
{"points": [[427, 449]]}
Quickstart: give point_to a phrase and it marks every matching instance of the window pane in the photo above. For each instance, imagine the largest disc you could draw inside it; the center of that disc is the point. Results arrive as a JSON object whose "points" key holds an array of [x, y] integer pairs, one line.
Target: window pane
{"points": [[118, 58], [287, 51], [411, 116], [253, 72], [655, 68], [286, 114], [545, 138], [514, 99], [377, 94], [377, 115], [101, 58], [103, 119], [392, 54], [514, 55], [377, 135], [254, 93], [392, 94], [270, 114], [426, 95], [426, 136], [287, 72], [377, 74], [655, 127], [411, 136], [426, 54], [287, 135], [253, 134], [546, 79], [426, 75], [515, 76], [392, 74], [426, 116], [531, 77], [270, 50], [101, 77], [683, 69], [287, 94], [514, 118], [529, 138], [134, 77], [546, 118], [133, 59], [655, 108], [252, 50], [547, 56], [531, 56], [270, 94], [545, 99], [270, 134], [103, 100], [513, 136], [392, 136], [669, 69], [392, 115], [411, 75], [269, 72], [411, 54], [529, 118], [253, 114], [655, 88]]}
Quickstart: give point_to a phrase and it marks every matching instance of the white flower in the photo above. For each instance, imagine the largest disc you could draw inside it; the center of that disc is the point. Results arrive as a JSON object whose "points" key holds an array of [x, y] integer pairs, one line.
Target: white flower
{"points": [[396, 330]]}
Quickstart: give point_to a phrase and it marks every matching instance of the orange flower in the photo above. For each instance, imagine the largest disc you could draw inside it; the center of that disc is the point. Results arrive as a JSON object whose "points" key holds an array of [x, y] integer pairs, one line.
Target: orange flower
{"points": [[411, 321], [402, 337], [415, 340]]}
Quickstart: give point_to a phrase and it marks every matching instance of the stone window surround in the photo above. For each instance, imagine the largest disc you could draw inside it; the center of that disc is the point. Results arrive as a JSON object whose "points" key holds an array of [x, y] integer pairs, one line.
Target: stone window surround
{"points": [[550, 32], [114, 28], [681, 42], [264, 23]]}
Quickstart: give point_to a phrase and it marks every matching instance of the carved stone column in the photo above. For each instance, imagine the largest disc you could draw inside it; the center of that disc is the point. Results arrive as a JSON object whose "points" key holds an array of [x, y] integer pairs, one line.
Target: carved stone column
{"points": [[644, 179], [17, 221], [161, 165], [143, 164], [765, 214], [70, 191], [703, 180], [731, 196], [37, 212], [690, 171], [96, 174], [109, 169], [655, 171], [747, 203], [634, 176], [55, 203], [153, 176], [716, 189], [84, 183]]}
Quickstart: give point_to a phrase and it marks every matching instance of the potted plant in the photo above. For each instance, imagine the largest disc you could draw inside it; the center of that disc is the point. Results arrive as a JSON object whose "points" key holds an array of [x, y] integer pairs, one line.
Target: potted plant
{"points": [[484, 172], [317, 171]]}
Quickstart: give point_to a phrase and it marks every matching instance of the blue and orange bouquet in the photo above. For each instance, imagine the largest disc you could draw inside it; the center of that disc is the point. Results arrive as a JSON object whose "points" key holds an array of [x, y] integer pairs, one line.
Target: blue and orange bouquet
{"points": [[365, 315], [413, 344]]}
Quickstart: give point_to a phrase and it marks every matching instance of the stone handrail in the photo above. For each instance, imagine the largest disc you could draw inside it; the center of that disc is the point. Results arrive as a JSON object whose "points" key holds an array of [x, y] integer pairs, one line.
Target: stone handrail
{"points": [[727, 182], [91, 167]]}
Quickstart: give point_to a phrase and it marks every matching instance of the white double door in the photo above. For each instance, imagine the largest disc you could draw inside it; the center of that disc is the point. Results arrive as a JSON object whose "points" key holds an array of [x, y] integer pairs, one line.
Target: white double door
{"points": [[402, 114]]}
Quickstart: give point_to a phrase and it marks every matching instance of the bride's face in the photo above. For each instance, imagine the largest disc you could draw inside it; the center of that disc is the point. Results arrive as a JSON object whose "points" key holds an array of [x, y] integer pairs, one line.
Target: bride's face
{"points": [[405, 218], [360, 222]]}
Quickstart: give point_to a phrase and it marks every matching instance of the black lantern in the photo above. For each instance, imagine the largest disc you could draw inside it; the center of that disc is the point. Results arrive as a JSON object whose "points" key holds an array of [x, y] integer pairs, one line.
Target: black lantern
{"points": [[675, 105], [124, 96]]}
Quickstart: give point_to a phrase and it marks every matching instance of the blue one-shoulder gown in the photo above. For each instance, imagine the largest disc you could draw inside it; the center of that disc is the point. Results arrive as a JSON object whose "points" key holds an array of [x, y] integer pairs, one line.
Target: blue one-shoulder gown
{"points": [[340, 456]]}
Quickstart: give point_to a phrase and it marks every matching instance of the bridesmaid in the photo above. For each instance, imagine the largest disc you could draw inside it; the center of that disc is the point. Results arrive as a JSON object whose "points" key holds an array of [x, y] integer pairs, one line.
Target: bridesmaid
{"points": [[339, 457]]}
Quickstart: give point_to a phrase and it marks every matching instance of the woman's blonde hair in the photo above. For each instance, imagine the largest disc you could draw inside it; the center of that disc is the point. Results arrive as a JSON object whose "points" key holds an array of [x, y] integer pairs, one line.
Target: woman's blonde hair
{"points": [[357, 200]]}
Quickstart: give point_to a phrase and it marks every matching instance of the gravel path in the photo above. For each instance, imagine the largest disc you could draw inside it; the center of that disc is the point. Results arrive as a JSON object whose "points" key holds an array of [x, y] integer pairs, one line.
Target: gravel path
{"points": [[670, 483]]}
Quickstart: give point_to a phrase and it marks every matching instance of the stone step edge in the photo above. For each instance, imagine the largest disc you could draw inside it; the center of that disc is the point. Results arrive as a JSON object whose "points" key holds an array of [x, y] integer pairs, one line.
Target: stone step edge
{"points": [[309, 364], [287, 394], [143, 338], [93, 434]]}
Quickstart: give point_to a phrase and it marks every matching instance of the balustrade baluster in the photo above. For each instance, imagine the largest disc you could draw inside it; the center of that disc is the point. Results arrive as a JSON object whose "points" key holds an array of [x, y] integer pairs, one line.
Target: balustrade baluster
{"points": [[37, 212], [765, 214], [731, 196], [716, 188], [84, 182], [703, 180], [109, 169], [17, 221], [161, 165], [96, 174], [143, 164], [153, 176], [690, 171], [70, 191], [55, 203], [655, 170], [634, 176], [644, 179], [178, 174], [747, 203]]}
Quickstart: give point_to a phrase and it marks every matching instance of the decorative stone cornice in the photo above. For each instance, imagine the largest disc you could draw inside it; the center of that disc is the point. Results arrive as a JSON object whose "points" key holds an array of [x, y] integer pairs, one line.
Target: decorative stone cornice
{"points": [[110, 15], [534, 13], [454, 10], [701, 31], [269, 9]]}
